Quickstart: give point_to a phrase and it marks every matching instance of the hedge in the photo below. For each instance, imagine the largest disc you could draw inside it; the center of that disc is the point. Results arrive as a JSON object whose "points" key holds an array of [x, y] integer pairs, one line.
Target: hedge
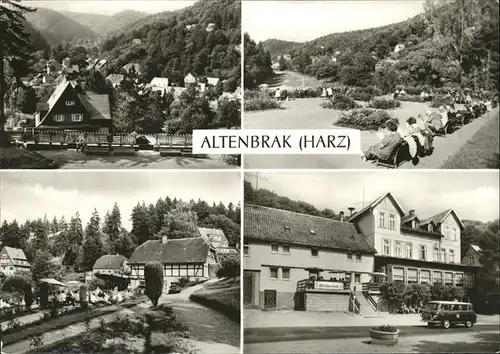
{"points": [[340, 102], [363, 119], [381, 103]]}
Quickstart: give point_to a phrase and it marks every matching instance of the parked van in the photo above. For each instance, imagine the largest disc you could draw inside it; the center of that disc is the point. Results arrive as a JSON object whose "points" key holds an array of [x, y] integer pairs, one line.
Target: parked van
{"points": [[448, 313]]}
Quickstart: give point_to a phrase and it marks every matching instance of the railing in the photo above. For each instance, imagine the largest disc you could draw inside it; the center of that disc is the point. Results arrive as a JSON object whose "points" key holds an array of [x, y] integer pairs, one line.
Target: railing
{"points": [[371, 287], [354, 305], [372, 301]]}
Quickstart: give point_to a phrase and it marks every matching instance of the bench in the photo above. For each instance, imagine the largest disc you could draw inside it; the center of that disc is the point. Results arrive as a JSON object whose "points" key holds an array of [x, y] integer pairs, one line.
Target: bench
{"points": [[123, 144], [96, 143], [174, 145]]}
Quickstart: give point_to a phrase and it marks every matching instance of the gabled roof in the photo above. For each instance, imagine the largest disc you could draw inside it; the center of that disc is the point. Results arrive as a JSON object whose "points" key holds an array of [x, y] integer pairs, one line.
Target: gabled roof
{"points": [[189, 75], [96, 105], [282, 226], [409, 217], [439, 218], [184, 250], [15, 253], [375, 203], [476, 248], [159, 82], [60, 88], [213, 81], [110, 262], [207, 233]]}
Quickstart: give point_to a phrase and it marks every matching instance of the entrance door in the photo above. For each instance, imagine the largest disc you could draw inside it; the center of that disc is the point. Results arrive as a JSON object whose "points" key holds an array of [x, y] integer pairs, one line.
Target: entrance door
{"points": [[269, 299], [248, 289]]}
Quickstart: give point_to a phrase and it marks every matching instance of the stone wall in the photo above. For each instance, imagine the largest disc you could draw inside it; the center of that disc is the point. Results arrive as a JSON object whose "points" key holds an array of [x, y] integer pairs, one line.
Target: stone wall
{"points": [[334, 302]]}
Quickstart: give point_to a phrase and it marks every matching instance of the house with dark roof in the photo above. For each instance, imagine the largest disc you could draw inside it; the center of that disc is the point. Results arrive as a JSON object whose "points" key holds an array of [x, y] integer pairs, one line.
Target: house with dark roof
{"points": [[110, 264], [193, 258], [69, 108], [283, 248], [472, 256], [412, 249], [217, 239], [12, 261]]}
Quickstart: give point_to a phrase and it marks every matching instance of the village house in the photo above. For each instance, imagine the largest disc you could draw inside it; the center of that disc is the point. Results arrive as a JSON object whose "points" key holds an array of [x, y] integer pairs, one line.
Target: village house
{"points": [[399, 47], [210, 27], [159, 84], [53, 66], [411, 249], [189, 27], [217, 239], [135, 66], [115, 79], [101, 64], [189, 79], [214, 82], [193, 258], [110, 264], [472, 256], [282, 249], [69, 109], [12, 261], [66, 62]]}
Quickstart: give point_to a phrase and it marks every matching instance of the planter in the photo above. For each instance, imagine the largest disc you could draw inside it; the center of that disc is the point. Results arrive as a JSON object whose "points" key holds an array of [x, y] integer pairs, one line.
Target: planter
{"points": [[385, 338]]}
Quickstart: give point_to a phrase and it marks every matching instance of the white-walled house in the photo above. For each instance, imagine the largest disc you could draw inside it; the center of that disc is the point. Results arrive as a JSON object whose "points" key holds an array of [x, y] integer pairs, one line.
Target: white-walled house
{"points": [[110, 264], [186, 257], [189, 79], [12, 261]]}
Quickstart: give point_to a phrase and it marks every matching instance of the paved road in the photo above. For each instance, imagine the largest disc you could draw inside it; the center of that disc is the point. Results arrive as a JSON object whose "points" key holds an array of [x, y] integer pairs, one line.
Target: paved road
{"points": [[290, 79], [210, 331], [268, 335], [308, 114], [70, 159]]}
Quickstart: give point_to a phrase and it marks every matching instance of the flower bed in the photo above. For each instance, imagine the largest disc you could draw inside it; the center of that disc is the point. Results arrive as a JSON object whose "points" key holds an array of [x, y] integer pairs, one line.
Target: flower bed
{"points": [[381, 103], [411, 98], [340, 102], [260, 101], [387, 335], [363, 119]]}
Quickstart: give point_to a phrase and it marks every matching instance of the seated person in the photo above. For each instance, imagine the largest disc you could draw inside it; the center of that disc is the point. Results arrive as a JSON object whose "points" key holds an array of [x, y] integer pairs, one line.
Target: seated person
{"points": [[407, 133], [384, 149], [433, 121], [418, 128]]}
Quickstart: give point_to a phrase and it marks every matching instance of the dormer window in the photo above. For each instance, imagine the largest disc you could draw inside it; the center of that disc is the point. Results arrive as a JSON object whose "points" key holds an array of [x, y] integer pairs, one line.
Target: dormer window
{"points": [[430, 228], [413, 224]]}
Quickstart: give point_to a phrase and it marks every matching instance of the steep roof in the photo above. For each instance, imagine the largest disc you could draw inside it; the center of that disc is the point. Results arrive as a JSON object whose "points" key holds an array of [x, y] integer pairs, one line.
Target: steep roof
{"points": [[476, 248], [110, 262], [274, 225], [97, 105], [439, 218], [15, 253], [185, 250], [207, 232], [375, 203], [213, 81]]}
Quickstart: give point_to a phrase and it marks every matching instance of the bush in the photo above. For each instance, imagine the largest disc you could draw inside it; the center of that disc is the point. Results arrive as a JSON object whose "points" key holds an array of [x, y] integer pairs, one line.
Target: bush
{"points": [[232, 160], [411, 98], [303, 93], [261, 104], [153, 277], [230, 267], [363, 119], [394, 294], [95, 283], [381, 103], [21, 285], [439, 101], [340, 102], [364, 93], [386, 328]]}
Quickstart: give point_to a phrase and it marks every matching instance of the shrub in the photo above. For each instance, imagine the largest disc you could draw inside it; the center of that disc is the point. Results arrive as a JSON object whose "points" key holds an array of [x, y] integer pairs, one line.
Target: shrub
{"points": [[394, 294], [20, 285], [364, 93], [95, 283], [261, 104], [441, 101], [381, 103], [232, 160], [340, 102], [363, 119], [183, 282], [230, 267], [303, 93], [411, 98], [153, 276]]}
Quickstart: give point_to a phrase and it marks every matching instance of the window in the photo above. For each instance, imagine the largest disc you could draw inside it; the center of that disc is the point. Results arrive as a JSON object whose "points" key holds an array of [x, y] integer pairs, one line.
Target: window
{"points": [[454, 234], [286, 249], [471, 260], [349, 256], [436, 254], [381, 219], [357, 278], [399, 249], [423, 252], [412, 275], [451, 257], [398, 274], [392, 221], [448, 278], [77, 117], [285, 273], [446, 231], [409, 250], [430, 228], [443, 255], [469, 280], [314, 252], [70, 103], [58, 117], [274, 248], [246, 248], [386, 247], [437, 276], [459, 279], [273, 273], [358, 257], [425, 277]]}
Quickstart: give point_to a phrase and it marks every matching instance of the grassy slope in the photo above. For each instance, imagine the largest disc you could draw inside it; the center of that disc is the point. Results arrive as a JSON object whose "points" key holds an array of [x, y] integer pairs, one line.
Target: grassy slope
{"points": [[223, 296], [16, 158], [482, 151]]}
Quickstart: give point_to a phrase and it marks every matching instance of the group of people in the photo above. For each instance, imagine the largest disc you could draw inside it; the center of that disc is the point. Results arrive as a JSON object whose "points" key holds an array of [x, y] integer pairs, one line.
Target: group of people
{"points": [[419, 132]]}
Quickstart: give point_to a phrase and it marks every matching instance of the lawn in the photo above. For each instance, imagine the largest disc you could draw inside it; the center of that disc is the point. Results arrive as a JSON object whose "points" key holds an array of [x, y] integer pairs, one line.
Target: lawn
{"points": [[223, 296], [481, 151], [17, 158]]}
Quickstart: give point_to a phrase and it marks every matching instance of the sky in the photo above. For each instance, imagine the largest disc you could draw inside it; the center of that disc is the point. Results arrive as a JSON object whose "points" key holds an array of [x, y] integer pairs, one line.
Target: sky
{"points": [[473, 195], [302, 21], [31, 195], [110, 7]]}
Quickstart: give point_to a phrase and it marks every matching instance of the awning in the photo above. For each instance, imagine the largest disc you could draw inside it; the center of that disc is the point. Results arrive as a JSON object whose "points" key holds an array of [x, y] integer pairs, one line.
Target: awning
{"points": [[52, 282]]}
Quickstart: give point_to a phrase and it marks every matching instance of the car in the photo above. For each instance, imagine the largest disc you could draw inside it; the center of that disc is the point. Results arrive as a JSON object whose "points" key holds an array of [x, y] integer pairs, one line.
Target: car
{"points": [[449, 313]]}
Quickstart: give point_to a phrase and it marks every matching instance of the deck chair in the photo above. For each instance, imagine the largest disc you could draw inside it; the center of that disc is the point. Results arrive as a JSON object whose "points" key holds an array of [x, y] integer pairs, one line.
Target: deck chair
{"points": [[397, 156]]}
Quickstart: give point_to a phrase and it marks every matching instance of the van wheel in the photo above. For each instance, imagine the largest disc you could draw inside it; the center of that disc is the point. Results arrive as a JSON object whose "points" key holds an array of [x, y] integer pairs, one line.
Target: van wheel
{"points": [[468, 324], [446, 324]]}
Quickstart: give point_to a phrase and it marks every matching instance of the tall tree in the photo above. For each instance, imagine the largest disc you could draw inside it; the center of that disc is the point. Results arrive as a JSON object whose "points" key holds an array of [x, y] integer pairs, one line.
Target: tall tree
{"points": [[13, 43], [180, 222], [140, 223], [92, 247], [113, 223]]}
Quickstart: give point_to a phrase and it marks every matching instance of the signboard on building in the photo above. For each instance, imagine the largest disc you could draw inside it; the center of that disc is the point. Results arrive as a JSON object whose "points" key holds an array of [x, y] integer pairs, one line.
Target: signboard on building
{"points": [[328, 285]]}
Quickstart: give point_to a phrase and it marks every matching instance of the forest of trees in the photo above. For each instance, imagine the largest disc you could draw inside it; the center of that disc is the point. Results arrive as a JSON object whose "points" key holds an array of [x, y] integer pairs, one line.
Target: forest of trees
{"points": [[257, 63], [79, 245], [443, 47]]}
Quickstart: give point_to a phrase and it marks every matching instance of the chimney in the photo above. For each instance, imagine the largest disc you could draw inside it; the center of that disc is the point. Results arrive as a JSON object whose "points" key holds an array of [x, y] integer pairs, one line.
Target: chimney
{"points": [[412, 212], [164, 239], [351, 210], [341, 216]]}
